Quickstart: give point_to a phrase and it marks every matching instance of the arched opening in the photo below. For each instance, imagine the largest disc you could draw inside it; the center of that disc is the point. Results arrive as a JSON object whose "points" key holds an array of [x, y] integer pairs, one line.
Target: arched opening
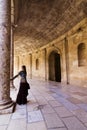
{"points": [[81, 54], [37, 64], [54, 67]]}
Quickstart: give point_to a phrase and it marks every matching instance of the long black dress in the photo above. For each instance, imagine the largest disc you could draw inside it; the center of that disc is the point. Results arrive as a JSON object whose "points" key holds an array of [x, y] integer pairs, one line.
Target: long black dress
{"points": [[23, 89]]}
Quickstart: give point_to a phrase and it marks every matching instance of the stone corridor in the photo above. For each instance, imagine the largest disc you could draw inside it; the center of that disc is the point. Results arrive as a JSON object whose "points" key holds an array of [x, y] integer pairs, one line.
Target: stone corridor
{"points": [[51, 106]]}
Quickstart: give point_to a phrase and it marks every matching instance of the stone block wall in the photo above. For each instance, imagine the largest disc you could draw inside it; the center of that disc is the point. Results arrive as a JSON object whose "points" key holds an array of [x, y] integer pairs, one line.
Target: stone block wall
{"points": [[78, 73], [67, 47]]}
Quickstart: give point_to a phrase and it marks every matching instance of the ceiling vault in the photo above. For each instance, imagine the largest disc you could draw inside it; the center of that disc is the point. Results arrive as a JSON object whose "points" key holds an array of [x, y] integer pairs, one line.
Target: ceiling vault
{"points": [[41, 21]]}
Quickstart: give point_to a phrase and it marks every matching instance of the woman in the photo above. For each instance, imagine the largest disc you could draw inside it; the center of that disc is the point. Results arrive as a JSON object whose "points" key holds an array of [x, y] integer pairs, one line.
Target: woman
{"points": [[24, 86]]}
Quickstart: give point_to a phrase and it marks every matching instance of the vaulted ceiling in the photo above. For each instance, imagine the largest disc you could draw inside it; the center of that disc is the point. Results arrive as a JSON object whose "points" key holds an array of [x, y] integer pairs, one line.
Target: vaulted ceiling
{"points": [[41, 21]]}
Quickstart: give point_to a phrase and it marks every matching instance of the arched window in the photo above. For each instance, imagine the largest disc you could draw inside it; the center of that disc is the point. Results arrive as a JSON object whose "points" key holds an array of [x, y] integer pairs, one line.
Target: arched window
{"points": [[81, 54], [37, 64]]}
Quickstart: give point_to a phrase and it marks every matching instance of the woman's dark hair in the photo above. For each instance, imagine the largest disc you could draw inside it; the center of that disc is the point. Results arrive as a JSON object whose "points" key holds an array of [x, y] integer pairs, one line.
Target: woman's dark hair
{"points": [[24, 69]]}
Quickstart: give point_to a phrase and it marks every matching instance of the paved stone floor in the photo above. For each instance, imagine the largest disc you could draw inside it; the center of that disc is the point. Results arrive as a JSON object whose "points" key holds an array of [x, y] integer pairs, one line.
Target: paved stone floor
{"points": [[51, 106]]}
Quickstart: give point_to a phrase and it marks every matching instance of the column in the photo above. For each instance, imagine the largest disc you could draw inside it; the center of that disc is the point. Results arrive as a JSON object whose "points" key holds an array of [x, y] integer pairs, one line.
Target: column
{"points": [[31, 66], [45, 64], [6, 104], [67, 59]]}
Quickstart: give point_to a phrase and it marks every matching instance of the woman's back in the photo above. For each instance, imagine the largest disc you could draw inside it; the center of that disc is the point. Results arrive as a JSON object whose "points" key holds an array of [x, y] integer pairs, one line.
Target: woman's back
{"points": [[23, 76]]}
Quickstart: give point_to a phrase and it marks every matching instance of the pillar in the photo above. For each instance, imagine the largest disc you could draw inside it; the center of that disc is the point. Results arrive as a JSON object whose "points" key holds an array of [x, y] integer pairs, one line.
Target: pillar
{"points": [[45, 64], [31, 66], [6, 104], [67, 59]]}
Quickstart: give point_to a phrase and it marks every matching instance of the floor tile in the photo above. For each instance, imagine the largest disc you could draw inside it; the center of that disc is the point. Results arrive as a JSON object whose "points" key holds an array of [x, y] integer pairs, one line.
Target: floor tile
{"points": [[74, 100], [53, 121], [4, 119], [80, 93], [55, 103], [47, 109], [63, 112], [82, 115], [17, 125], [34, 116], [19, 114], [3, 127], [73, 123], [37, 126], [58, 129], [83, 106], [32, 106]]}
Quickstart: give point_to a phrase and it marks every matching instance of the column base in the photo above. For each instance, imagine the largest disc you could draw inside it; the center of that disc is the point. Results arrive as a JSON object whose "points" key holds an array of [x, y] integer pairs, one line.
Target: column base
{"points": [[7, 107]]}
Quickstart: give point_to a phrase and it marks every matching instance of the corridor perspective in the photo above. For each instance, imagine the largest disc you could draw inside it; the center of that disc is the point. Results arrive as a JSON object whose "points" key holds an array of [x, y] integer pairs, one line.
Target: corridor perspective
{"points": [[47, 41]]}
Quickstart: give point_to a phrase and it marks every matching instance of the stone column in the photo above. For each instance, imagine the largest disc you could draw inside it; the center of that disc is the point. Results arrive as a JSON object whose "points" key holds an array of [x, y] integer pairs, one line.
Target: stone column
{"points": [[45, 64], [6, 104], [31, 66], [67, 59]]}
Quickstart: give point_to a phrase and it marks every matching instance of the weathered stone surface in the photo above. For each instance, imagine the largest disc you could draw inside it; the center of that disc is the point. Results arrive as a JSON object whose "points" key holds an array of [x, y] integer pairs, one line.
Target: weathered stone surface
{"points": [[5, 24]]}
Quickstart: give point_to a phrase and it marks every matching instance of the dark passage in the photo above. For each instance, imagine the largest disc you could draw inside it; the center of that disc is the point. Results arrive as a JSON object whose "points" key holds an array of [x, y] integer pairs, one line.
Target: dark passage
{"points": [[54, 67]]}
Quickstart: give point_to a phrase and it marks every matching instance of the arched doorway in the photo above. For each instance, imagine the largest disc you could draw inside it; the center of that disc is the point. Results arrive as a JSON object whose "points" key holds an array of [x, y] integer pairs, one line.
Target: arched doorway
{"points": [[54, 67]]}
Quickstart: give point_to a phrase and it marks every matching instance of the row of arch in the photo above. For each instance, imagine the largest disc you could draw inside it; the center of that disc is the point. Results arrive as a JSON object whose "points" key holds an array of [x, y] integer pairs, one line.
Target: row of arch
{"points": [[54, 62]]}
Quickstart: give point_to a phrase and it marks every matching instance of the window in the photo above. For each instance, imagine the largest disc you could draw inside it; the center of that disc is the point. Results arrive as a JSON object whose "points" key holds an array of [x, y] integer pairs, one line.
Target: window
{"points": [[81, 54]]}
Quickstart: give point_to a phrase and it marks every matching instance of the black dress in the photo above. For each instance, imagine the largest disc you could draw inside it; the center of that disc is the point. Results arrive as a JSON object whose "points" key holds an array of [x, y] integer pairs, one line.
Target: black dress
{"points": [[23, 89]]}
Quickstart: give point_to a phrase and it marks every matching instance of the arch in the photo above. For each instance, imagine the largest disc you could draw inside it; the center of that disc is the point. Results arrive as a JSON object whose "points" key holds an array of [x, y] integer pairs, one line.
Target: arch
{"points": [[54, 67], [54, 49], [81, 54]]}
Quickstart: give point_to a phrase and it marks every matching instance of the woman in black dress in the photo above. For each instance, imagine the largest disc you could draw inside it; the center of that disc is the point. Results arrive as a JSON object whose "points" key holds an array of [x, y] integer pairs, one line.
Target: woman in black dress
{"points": [[24, 86]]}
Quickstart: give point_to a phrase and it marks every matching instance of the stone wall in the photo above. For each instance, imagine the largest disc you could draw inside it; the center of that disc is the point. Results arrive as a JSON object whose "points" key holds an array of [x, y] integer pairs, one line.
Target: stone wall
{"points": [[67, 47], [78, 73]]}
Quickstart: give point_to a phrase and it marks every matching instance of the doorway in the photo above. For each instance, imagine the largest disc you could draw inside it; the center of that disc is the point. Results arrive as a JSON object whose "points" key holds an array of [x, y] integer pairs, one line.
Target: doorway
{"points": [[54, 67]]}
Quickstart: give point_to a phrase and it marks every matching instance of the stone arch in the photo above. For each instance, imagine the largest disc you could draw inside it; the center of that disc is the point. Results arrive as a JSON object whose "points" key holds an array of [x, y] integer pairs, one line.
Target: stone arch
{"points": [[56, 49], [81, 54], [54, 66]]}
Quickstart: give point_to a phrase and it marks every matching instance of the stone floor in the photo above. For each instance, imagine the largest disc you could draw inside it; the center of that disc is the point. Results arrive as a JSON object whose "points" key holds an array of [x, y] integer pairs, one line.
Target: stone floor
{"points": [[51, 106]]}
